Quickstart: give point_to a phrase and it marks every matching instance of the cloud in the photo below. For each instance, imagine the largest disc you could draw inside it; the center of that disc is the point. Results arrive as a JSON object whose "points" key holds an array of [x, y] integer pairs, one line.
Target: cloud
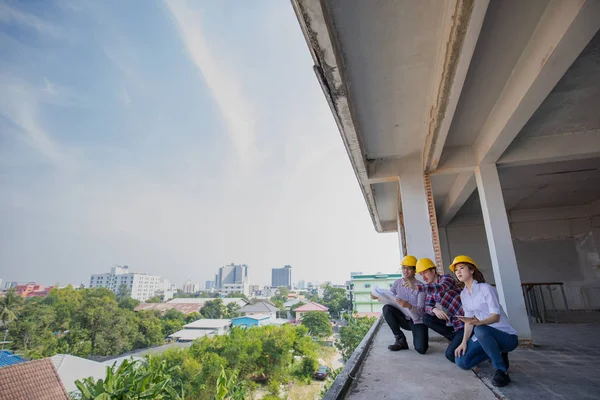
{"points": [[221, 79], [11, 15]]}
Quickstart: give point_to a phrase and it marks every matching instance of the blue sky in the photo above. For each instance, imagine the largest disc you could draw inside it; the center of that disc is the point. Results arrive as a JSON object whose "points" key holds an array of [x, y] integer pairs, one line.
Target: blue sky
{"points": [[175, 137]]}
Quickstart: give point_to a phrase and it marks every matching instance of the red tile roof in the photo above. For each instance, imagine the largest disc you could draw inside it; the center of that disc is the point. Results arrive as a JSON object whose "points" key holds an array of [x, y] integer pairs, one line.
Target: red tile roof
{"points": [[164, 307], [312, 306], [31, 380]]}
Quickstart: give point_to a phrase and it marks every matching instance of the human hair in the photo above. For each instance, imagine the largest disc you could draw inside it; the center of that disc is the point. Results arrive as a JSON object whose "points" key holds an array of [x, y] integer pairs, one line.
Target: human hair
{"points": [[477, 274]]}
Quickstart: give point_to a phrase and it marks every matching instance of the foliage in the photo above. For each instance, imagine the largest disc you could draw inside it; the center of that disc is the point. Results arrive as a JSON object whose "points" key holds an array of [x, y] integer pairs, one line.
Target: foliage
{"points": [[132, 380], [335, 299], [213, 309], [352, 334], [317, 323], [81, 322], [156, 299], [9, 303], [228, 388], [237, 295], [293, 308], [309, 366], [123, 292], [331, 376], [191, 317]]}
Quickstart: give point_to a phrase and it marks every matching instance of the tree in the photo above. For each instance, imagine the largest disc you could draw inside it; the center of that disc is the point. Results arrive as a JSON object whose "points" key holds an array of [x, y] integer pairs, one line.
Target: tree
{"points": [[155, 299], [9, 304], [317, 323], [231, 310], [213, 309], [193, 316], [123, 292], [128, 303], [335, 299], [293, 308], [352, 334], [131, 380]]}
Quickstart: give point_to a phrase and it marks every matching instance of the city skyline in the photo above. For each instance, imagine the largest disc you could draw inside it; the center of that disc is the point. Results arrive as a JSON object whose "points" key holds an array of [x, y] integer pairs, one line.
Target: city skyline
{"points": [[173, 142]]}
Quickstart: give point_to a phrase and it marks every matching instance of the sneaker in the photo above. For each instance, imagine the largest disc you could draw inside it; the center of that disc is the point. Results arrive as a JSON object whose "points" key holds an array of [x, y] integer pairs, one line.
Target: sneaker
{"points": [[399, 344], [501, 379], [505, 359]]}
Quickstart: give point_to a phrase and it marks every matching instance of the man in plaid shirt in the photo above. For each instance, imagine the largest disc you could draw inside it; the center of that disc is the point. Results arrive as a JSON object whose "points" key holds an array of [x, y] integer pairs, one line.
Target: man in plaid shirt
{"points": [[442, 304]]}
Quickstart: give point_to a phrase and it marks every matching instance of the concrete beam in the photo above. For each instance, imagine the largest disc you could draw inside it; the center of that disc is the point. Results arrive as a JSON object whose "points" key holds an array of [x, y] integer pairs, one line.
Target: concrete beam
{"points": [[459, 193], [562, 33], [544, 149], [466, 22], [456, 160]]}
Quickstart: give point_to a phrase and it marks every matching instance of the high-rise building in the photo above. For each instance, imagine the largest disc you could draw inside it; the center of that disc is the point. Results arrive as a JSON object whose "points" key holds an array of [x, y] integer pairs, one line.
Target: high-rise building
{"points": [[140, 286], [232, 278], [209, 285], [282, 277], [191, 287], [301, 285]]}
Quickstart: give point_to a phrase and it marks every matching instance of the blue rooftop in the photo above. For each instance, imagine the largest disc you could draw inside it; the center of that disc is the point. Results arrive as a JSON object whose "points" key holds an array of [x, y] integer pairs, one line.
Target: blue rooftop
{"points": [[8, 358]]}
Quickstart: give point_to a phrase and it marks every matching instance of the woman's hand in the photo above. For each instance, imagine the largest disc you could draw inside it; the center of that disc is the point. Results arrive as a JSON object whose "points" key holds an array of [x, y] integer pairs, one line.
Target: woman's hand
{"points": [[460, 350], [475, 322], [441, 314]]}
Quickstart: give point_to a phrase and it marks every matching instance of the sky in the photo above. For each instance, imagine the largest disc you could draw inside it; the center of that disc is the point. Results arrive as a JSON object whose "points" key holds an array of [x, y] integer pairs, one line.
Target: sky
{"points": [[174, 137]]}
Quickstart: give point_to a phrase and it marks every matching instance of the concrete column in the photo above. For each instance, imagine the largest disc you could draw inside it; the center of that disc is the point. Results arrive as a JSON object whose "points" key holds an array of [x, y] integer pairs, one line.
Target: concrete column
{"points": [[502, 252], [415, 211]]}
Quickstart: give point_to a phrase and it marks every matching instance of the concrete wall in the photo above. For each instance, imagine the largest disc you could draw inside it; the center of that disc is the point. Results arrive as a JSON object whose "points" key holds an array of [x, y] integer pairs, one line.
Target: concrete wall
{"points": [[554, 244]]}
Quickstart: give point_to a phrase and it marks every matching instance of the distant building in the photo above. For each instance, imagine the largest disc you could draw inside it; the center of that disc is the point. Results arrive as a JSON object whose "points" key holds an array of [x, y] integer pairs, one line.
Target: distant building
{"points": [[141, 286], [209, 285], [312, 306], [301, 285], [201, 328], [191, 287], [232, 279], [282, 277], [359, 291], [261, 307], [33, 290]]}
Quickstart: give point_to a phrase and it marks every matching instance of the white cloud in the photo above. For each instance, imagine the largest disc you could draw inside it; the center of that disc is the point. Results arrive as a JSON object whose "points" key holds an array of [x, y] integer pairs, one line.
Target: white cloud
{"points": [[220, 78]]}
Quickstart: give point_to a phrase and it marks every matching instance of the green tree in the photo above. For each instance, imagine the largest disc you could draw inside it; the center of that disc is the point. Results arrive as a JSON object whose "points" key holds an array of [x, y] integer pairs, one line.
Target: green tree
{"points": [[335, 299], [213, 309], [123, 292], [231, 310], [128, 303], [293, 308], [9, 305], [191, 317], [317, 323], [131, 380], [155, 299], [352, 334]]}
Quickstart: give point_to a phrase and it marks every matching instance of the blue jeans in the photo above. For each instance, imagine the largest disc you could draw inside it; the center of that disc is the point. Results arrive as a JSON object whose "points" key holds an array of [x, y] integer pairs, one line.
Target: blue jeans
{"points": [[439, 326], [490, 344]]}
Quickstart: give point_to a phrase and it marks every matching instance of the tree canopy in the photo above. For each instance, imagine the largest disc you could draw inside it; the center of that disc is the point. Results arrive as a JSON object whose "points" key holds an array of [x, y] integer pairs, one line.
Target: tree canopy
{"points": [[317, 323]]}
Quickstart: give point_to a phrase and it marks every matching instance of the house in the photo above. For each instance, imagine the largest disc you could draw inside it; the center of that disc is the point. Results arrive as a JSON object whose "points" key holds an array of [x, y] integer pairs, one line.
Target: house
{"points": [[71, 368], [201, 301], [33, 290], [312, 306], [257, 320], [261, 307], [359, 291], [251, 320], [36, 379]]}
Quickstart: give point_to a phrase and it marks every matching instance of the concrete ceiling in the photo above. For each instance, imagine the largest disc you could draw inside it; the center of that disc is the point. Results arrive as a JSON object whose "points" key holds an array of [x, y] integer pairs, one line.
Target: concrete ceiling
{"points": [[498, 49], [390, 94], [574, 103], [559, 184]]}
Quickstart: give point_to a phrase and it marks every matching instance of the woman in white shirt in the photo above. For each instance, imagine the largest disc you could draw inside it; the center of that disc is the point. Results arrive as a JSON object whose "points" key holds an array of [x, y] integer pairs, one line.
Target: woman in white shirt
{"points": [[493, 336]]}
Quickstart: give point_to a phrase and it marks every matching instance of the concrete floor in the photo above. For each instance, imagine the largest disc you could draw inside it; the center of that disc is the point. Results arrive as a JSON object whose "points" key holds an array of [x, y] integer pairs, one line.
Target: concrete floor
{"points": [[409, 375], [562, 364]]}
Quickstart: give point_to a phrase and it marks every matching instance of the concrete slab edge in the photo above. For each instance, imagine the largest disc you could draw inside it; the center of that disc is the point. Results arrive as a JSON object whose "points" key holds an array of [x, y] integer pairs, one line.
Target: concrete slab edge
{"points": [[489, 385], [339, 387]]}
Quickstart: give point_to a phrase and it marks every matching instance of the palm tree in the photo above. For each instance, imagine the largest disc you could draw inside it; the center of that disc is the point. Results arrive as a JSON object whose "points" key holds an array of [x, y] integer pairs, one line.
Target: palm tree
{"points": [[8, 310]]}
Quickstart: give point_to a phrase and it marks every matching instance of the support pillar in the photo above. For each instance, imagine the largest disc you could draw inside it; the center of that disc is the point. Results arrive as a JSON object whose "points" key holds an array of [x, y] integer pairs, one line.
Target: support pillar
{"points": [[418, 212], [502, 251]]}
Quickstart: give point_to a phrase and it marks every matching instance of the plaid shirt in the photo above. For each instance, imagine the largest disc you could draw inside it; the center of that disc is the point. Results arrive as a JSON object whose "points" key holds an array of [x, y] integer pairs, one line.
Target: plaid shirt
{"points": [[447, 294]]}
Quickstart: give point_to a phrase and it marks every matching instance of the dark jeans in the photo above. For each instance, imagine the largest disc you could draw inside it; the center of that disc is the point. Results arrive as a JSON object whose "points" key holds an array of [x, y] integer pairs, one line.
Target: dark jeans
{"points": [[396, 320], [448, 332], [490, 344]]}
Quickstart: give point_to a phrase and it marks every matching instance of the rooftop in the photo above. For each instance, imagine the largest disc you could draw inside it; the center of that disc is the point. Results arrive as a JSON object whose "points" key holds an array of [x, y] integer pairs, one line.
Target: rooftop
{"points": [[8, 358], [208, 324], [259, 307], [198, 300], [312, 306], [188, 335], [71, 368], [31, 380]]}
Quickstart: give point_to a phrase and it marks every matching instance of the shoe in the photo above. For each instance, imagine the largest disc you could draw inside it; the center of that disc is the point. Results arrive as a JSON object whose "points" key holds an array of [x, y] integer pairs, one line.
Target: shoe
{"points": [[399, 344], [505, 359], [501, 379]]}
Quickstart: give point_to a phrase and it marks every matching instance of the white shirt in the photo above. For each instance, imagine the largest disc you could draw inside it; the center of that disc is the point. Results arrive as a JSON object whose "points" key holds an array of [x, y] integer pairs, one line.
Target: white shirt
{"points": [[482, 302]]}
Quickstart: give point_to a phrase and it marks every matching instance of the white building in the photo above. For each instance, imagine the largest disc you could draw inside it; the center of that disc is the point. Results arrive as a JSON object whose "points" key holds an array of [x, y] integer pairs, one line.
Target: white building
{"points": [[141, 286], [191, 287]]}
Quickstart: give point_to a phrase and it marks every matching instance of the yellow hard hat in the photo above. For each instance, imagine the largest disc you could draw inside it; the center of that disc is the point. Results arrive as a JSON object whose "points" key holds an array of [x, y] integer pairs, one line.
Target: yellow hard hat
{"points": [[462, 259], [409, 261], [424, 264]]}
